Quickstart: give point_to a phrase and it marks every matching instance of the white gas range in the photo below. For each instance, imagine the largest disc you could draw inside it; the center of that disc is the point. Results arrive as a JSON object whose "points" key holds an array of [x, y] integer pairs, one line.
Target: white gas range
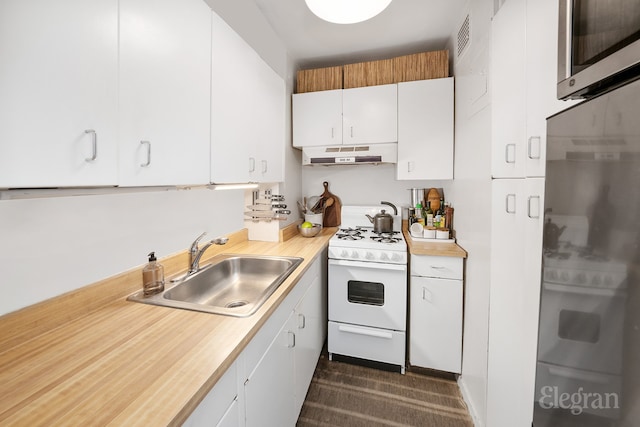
{"points": [[367, 289]]}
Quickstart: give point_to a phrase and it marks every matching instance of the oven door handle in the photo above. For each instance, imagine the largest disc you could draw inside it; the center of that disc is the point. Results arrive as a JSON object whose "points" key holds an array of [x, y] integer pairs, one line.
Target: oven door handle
{"points": [[370, 265], [367, 332], [582, 290]]}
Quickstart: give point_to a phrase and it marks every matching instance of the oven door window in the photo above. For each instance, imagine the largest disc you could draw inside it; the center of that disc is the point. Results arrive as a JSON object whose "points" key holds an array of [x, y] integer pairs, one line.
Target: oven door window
{"points": [[579, 326], [370, 293]]}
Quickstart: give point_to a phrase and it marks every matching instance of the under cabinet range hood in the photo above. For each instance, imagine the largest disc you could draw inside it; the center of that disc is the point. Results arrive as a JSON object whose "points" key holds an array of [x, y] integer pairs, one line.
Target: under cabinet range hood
{"points": [[350, 154]]}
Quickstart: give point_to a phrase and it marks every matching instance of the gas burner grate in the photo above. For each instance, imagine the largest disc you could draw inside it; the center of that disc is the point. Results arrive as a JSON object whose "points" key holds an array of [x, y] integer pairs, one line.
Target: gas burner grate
{"points": [[385, 238], [351, 234]]}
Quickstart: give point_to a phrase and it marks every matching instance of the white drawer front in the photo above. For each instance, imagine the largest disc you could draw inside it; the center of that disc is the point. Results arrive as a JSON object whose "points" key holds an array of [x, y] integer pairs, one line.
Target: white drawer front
{"points": [[381, 345], [436, 266]]}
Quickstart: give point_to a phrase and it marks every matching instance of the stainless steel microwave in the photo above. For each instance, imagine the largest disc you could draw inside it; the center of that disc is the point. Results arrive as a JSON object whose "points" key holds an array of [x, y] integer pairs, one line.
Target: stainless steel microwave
{"points": [[598, 46]]}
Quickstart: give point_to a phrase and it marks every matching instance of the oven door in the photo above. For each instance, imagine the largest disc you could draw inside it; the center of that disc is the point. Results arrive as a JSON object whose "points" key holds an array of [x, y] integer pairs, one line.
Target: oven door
{"points": [[368, 293], [581, 327]]}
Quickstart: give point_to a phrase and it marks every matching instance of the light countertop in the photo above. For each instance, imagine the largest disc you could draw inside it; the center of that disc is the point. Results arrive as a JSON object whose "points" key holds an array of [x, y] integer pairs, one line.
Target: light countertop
{"points": [[91, 357]]}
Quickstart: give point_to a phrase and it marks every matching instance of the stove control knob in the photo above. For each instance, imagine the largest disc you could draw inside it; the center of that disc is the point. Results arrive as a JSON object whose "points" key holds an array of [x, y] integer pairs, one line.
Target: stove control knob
{"points": [[396, 257], [370, 256], [344, 254], [596, 280], [564, 276], [551, 274], [355, 255], [581, 278], [384, 256]]}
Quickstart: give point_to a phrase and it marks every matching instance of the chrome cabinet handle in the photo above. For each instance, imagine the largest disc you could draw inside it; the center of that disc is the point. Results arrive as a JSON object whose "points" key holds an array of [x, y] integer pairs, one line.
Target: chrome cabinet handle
{"points": [[302, 321], [252, 164], [351, 131], [507, 198], [427, 295], [332, 133], [537, 215], [291, 342], [409, 166], [148, 144], [537, 140], [506, 153], [264, 166], [94, 143]]}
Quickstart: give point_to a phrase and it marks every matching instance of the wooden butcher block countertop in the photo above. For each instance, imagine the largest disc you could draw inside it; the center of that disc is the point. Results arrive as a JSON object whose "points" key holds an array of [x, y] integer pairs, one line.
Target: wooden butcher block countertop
{"points": [[90, 357], [432, 248]]}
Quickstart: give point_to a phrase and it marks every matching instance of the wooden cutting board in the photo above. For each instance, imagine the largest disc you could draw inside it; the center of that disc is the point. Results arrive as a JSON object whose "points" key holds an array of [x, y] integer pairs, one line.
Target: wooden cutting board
{"points": [[331, 216]]}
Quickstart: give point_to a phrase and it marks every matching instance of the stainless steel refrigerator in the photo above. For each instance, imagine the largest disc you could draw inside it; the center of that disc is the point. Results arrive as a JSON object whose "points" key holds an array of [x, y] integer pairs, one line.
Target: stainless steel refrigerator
{"points": [[588, 369]]}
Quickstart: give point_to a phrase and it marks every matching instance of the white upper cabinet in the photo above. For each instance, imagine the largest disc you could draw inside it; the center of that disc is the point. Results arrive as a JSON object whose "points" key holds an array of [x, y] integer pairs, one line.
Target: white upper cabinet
{"points": [[58, 93], [268, 124], [247, 112], [425, 129], [508, 82], [524, 81], [165, 63], [370, 114], [364, 115], [317, 118]]}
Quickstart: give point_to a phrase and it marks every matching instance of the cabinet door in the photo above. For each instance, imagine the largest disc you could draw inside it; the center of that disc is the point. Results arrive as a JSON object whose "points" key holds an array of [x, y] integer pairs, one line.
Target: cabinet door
{"points": [[311, 323], [370, 114], [508, 113], [232, 84], [317, 118], [435, 324], [269, 390], [220, 405], [516, 253], [425, 129], [59, 89], [165, 63], [268, 120], [541, 81]]}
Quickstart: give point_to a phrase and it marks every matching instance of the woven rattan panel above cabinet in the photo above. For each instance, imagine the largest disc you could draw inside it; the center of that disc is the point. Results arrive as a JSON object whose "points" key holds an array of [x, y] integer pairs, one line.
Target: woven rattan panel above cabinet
{"points": [[421, 66], [319, 79], [371, 73]]}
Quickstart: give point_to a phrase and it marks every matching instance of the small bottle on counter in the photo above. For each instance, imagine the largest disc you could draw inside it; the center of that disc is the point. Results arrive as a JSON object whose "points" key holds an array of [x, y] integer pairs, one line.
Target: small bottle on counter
{"points": [[412, 215], [152, 276], [448, 217], [419, 217], [438, 219], [429, 215]]}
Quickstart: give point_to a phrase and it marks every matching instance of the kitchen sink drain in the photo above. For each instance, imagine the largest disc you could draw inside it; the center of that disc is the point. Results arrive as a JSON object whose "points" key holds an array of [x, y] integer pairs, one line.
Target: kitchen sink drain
{"points": [[236, 304]]}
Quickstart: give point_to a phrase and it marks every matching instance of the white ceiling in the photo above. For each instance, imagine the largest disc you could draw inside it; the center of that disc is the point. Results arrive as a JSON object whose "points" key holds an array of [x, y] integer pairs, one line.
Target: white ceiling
{"points": [[404, 27]]}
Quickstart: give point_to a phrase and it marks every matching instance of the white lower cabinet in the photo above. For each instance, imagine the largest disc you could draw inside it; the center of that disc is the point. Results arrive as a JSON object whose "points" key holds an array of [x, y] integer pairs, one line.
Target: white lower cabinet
{"points": [[435, 319], [220, 406], [269, 389], [267, 384], [311, 330], [516, 257]]}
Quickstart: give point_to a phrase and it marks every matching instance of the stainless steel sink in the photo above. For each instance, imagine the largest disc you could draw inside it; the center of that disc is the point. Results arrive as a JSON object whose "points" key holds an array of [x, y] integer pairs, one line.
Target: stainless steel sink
{"points": [[233, 285]]}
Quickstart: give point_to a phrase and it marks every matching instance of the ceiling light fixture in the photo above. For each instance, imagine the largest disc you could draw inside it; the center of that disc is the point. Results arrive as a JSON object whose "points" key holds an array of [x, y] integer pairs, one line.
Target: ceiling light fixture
{"points": [[346, 11]]}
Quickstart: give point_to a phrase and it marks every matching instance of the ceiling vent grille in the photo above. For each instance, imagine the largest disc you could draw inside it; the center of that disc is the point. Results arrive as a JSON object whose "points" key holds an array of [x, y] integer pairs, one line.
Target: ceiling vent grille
{"points": [[464, 36]]}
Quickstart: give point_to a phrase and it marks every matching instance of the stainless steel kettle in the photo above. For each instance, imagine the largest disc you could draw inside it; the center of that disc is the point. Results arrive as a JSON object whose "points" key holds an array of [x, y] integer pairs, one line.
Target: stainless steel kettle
{"points": [[383, 222]]}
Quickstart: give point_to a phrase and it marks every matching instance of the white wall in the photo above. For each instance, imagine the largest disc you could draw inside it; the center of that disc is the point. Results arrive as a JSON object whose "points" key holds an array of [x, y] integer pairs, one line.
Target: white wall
{"points": [[53, 245], [365, 184]]}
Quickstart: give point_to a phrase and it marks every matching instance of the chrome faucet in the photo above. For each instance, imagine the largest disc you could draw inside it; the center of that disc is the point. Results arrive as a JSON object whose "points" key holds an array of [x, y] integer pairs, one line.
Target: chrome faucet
{"points": [[195, 253]]}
